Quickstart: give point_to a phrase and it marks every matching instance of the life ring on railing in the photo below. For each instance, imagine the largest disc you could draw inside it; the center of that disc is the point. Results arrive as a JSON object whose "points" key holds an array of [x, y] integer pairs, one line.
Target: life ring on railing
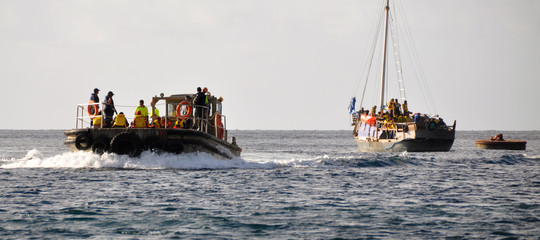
{"points": [[219, 126], [92, 109], [183, 110]]}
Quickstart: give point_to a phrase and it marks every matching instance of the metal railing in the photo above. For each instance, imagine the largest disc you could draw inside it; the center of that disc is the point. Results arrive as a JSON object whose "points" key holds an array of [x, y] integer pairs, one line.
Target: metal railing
{"points": [[217, 127], [82, 108]]}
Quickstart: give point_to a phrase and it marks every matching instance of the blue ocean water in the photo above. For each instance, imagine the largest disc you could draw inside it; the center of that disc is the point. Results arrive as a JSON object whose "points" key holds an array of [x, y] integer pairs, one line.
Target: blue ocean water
{"points": [[286, 185]]}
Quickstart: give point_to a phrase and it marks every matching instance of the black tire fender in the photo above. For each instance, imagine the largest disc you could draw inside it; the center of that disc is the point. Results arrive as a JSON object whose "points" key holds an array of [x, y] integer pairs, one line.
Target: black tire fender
{"points": [[126, 144], [154, 144], [101, 145], [83, 141]]}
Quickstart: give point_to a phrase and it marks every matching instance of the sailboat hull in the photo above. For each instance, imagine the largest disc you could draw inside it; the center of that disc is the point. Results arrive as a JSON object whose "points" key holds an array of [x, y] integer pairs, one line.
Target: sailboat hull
{"points": [[407, 139], [406, 145]]}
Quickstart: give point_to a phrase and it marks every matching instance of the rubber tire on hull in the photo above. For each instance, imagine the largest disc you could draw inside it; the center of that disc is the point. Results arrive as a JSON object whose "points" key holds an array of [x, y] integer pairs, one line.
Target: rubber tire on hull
{"points": [[101, 145], [83, 141], [126, 144], [154, 144], [174, 146]]}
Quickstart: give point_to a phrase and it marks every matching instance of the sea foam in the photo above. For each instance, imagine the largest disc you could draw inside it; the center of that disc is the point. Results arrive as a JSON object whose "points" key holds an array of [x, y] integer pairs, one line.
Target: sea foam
{"points": [[147, 160]]}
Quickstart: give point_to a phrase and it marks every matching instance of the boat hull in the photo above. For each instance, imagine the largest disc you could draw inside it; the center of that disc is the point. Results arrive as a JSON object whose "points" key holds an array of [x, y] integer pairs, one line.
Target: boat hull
{"points": [[501, 144], [406, 145], [132, 141], [407, 138]]}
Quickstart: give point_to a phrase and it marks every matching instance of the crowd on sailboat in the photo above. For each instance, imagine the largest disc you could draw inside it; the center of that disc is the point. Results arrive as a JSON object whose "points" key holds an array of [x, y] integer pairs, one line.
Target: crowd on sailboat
{"points": [[393, 113]]}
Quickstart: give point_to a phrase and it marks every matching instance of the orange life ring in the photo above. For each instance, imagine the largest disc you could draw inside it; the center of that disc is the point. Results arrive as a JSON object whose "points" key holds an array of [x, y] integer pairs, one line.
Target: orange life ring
{"points": [[183, 110], [92, 109]]}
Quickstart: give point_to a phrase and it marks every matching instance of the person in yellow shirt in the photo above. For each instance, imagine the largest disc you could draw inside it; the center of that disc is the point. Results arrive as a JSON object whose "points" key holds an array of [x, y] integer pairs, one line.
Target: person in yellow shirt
{"points": [[405, 107], [391, 107], [155, 111], [143, 109]]}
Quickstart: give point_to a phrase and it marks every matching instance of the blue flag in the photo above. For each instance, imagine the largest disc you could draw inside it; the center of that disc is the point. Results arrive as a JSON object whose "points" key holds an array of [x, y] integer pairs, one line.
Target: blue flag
{"points": [[352, 106]]}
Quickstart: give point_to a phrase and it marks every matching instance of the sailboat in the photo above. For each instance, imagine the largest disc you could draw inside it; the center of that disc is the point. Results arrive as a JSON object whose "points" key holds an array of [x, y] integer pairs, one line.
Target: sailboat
{"points": [[392, 127]]}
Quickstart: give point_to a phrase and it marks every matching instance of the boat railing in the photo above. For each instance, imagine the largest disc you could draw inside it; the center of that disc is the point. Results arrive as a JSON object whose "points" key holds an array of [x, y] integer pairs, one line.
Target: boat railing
{"points": [[215, 124], [85, 107], [392, 130]]}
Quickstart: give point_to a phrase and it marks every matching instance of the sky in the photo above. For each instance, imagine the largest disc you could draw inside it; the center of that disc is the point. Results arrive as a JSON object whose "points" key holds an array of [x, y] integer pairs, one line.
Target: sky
{"points": [[279, 65]]}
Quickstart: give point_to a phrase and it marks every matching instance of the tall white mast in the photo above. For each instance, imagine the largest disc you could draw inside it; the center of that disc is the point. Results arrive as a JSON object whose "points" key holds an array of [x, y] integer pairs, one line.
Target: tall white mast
{"points": [[383, 79]]}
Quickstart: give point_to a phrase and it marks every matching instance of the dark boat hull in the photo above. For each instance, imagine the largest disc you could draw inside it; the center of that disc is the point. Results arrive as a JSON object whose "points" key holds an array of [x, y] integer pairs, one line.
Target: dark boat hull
{"points": [[408, 138], [501, 144], [407, 145], [133, 141]]}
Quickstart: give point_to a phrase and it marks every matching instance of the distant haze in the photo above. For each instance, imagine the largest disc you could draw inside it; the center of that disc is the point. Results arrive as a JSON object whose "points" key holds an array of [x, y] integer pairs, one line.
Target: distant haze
{"points": [[281, 64]]}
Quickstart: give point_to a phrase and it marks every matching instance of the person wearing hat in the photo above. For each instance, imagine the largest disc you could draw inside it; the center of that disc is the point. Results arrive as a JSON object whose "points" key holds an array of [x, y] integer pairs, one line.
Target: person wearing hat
{"points": [[109, 109], [94, 97], [199, 101]]}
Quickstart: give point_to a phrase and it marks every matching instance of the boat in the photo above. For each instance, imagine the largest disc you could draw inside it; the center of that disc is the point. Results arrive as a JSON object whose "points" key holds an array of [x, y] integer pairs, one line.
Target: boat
{"points": [[498, 142], [392, 127], [181, 131]]}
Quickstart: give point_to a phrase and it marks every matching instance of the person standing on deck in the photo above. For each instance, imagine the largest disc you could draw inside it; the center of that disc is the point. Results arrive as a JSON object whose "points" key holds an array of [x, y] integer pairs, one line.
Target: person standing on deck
{"points": [[207, 94], [373, 111], [391, 107], [199, 102], [405, 108], [109, 110], [397, 108], [94, 97]]}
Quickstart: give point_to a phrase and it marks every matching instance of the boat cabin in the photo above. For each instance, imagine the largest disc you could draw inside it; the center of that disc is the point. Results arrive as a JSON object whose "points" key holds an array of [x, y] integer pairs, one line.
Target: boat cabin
{"points": [[180, 112]]}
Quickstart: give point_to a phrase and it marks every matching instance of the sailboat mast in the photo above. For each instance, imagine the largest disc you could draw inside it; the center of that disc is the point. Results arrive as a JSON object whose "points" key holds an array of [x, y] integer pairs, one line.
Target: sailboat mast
{"points": [[383, 79]]}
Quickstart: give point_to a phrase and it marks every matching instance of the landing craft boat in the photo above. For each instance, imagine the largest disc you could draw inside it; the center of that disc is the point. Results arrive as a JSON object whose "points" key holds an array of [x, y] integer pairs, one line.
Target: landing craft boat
{"points": [[392, 130], [193, 134]]}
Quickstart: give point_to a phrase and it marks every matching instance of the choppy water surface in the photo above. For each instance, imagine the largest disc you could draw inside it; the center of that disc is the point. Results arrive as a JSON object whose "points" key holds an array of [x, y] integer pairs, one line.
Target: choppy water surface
{"points": [[286, 185]]}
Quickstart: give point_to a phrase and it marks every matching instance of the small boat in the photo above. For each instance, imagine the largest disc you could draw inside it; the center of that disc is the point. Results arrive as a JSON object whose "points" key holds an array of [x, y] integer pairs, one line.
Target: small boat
{"points": [[392, 127], [498, 142], [193, 134]]}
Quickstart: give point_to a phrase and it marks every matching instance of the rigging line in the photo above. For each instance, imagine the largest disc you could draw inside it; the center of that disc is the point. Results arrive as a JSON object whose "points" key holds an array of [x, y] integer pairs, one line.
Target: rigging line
{"points": [[415, 59], [397, 57], [370, 57], [377, 58], [423, 76], [360, 73]]}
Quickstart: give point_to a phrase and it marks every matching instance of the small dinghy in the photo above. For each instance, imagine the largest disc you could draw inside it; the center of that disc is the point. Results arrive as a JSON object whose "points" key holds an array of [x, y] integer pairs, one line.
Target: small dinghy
{"points": [[498, 142]]}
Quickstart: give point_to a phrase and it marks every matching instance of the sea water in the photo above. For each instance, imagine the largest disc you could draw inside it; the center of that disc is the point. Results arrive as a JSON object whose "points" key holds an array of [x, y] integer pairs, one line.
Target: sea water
{"points": [[286, 185]]}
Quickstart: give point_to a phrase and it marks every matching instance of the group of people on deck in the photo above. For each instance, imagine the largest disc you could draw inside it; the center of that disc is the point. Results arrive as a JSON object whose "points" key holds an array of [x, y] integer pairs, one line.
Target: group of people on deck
{"points": [[143, 119], [394, 111]]}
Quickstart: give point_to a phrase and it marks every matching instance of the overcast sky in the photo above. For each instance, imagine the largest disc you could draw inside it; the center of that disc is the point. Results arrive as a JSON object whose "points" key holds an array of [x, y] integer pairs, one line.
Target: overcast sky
{"points": [[290, 64]]}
